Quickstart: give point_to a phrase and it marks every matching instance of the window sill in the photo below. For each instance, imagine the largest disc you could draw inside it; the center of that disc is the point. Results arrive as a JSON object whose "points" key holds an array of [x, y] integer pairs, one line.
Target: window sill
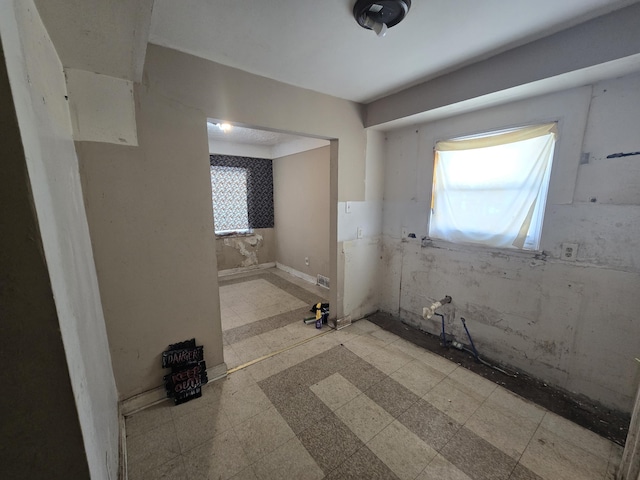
{"points": [[234, 234], [467, 247]]}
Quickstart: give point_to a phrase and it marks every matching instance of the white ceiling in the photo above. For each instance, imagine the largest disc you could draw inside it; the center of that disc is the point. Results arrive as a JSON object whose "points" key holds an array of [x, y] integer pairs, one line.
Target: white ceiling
{"points": [[318, 45], [248, 136], [250, 142]]}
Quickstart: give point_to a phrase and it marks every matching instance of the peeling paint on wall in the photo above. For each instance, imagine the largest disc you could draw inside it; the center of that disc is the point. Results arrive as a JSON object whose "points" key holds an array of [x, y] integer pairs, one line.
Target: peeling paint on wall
{"points": [[248, 246], [242, 251]]}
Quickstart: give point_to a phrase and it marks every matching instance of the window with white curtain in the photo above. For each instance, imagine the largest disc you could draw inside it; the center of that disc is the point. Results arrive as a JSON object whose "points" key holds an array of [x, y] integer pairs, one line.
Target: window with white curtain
{"points": [[491, 189], [229, 194]]}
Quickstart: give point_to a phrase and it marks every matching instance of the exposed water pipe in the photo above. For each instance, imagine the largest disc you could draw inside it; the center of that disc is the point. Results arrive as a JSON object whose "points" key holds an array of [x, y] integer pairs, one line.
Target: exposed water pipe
{"points": [[447, 339], [427, 312]]}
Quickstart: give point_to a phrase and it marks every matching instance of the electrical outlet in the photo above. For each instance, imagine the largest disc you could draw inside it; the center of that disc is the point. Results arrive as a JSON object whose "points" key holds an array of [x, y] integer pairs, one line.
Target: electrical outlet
{"points": [[359, 232], [347, 207], [306, 261], [569, 251]]}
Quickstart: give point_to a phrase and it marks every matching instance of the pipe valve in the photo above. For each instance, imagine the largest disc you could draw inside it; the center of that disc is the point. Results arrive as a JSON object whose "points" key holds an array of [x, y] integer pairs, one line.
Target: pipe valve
{"points": [[427, 312]]}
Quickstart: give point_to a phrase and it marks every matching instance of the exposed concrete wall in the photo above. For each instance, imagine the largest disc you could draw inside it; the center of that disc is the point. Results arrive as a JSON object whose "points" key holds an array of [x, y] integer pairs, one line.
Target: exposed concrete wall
{"points": [[38, 90], [301, 204], [570, 323], [242, 251]]}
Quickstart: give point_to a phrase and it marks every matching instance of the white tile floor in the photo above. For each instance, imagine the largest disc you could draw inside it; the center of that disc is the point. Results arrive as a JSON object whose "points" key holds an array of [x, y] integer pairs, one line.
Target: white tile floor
{"points": [[354, 403]]}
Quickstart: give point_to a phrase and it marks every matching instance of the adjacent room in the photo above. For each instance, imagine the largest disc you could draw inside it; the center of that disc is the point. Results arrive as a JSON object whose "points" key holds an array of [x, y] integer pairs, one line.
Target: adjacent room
{"points": [[270, 194], [365, 239]]}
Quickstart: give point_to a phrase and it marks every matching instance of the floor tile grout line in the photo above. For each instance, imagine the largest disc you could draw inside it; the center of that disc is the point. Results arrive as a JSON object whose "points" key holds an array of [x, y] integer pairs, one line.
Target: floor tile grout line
{"points": [[428, 463], [570, 442], [259, 324], [527, 446], [179, 454], [264, 357], [244, 452], [184, 452]]}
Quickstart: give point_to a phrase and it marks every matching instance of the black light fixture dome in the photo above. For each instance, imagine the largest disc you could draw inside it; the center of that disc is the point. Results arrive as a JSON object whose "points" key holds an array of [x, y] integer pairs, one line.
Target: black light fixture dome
{"points": [[380, 15]]}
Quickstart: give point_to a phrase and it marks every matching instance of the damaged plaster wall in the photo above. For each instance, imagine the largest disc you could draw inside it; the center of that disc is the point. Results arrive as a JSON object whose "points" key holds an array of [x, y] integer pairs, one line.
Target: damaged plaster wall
{"points": [[361, 235], [243, 251], [569, 323]]}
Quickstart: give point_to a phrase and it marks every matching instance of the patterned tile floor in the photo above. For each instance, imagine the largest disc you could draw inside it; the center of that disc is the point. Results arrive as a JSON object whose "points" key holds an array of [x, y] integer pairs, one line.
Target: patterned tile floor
{"points": [[359, 403]]}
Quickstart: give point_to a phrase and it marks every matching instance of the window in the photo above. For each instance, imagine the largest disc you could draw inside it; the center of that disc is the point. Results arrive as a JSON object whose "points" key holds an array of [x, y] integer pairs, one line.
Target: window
{"points": [[229, 194], [242, 193], [491, 189]]}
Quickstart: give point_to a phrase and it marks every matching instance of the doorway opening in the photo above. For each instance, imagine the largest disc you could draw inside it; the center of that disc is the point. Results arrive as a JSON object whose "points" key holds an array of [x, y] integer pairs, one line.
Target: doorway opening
{"points": [[272, 202]]}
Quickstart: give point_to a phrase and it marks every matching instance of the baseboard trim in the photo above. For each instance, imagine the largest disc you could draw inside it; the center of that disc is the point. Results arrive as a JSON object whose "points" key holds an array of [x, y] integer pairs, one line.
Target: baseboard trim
{"points": [[233, 271], [146, 399], [296, 273]]}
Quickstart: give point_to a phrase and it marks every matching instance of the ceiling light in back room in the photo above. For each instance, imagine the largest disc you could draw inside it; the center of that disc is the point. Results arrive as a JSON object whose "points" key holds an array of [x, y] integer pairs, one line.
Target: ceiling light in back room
{"points": [[224, 126], [380, 15]]}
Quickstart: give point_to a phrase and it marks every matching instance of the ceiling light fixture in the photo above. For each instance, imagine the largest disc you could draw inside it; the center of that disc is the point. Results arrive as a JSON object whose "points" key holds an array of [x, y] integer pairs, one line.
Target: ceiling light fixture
{"points": [[380, 15], [225, 127]]}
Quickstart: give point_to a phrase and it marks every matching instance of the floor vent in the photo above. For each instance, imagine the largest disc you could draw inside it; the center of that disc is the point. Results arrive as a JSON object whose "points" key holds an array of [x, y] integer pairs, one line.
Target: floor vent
{"points": [[323, 281]]}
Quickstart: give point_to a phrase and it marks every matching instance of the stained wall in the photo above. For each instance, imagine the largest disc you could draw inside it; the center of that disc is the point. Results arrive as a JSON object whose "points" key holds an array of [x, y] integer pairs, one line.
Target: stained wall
{"points": [[570, 323]]}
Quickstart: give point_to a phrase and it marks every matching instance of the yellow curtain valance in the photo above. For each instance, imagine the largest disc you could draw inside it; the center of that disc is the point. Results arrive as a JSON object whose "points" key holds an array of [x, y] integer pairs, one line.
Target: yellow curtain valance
{"points": [[518, 135]]}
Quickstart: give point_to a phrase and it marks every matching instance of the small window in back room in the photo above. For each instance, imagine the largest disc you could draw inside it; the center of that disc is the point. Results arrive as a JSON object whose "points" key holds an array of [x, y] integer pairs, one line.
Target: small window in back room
{"points": [[491, 189], [242, 193], [229, 194]]}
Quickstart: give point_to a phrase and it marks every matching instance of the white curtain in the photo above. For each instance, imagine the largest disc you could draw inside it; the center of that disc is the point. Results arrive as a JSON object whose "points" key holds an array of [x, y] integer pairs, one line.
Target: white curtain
{"points": [[229, 195], [491, 190]]}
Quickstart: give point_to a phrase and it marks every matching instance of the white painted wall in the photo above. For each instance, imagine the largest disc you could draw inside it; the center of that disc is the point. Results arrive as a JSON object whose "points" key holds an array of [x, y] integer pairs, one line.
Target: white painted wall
{"points": [[570, 323], [39, 90], [102, 108]]}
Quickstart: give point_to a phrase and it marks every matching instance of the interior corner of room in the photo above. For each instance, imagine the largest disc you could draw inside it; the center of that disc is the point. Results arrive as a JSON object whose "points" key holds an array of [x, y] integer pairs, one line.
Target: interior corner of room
{"points": [[115, 254]]}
